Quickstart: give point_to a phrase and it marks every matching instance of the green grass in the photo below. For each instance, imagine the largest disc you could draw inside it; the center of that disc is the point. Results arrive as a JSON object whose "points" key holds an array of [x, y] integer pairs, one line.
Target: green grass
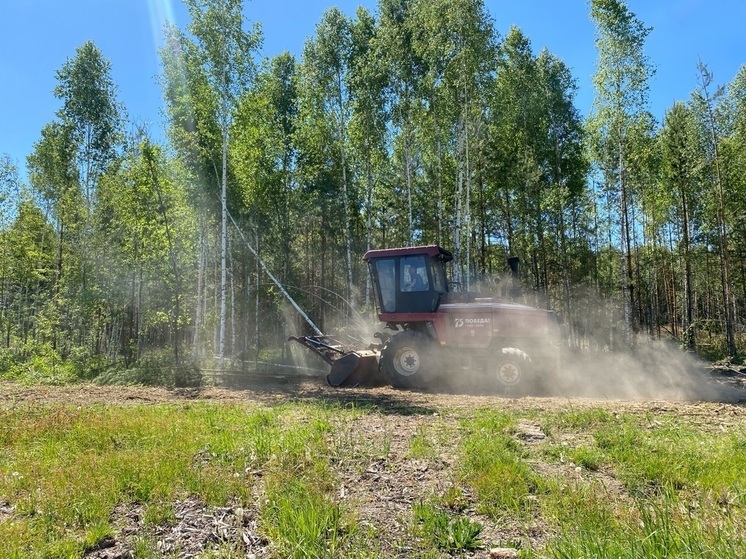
{"points": [[304, 521], [674, 455], [421, 445], [659, 528], [682, 492], [492, 465], [451, 533], [65, 469], [601, 484]]}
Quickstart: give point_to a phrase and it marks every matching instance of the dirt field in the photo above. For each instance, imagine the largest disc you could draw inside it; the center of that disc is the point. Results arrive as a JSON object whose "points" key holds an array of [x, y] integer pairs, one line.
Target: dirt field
{"points": [[709, 389], [386, 489]]}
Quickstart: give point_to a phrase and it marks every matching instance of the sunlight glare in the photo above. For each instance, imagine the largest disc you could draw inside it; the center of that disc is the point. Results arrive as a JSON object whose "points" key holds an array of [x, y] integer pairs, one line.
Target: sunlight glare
{"points": [[161, 12]]}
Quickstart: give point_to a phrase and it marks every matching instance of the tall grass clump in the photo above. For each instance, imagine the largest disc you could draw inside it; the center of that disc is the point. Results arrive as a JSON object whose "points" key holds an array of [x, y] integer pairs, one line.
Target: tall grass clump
{"points": [[493, 467], [679, 492], [303, 521], [577, 420], [652, 529], [669, 454]]}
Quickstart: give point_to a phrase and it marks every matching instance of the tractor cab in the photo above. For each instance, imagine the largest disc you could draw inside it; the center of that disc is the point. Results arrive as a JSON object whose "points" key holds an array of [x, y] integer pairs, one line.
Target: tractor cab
{"points": [[409, 280]]}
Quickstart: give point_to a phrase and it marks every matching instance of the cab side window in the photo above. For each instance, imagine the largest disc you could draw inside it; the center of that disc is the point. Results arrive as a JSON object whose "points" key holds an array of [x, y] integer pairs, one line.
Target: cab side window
{"points": [[385, 270], [439, 280]]}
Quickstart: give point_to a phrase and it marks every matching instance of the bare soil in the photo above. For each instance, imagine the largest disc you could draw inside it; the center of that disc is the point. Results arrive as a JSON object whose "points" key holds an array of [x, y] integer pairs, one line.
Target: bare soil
{"points": [[724, 384], [383, 493]]}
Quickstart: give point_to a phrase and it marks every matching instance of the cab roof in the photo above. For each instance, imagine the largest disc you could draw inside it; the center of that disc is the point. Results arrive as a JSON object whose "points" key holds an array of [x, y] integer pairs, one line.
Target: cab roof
{"points": [[427, 250]]}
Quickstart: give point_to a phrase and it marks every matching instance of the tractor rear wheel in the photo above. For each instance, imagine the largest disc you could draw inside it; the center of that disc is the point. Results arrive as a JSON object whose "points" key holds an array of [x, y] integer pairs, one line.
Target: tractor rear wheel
{"points": [[513, 371], [406, 359]]}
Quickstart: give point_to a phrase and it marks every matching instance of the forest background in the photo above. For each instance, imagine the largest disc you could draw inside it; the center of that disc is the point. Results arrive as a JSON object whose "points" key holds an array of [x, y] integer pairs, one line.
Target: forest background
{"points": [[414, 124]]}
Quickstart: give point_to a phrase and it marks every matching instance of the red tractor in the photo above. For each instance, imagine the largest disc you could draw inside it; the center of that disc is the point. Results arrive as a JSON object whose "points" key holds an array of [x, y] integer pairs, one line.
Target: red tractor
{"points": [[433, 334]]}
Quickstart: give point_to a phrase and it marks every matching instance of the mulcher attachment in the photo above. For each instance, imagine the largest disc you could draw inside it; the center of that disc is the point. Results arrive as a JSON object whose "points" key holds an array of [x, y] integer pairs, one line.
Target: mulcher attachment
{"points": [[348, 367]]}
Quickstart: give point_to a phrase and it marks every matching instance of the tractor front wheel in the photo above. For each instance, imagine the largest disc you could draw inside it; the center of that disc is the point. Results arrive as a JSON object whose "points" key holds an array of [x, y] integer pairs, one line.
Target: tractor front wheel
{"points": [[406, 359]]}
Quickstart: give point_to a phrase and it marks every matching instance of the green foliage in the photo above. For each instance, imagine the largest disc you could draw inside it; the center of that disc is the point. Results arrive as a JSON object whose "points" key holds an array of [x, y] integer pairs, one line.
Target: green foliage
{"points": [[91, 112], [41, 365], [458, 534], [153, 369], [225, 49]]}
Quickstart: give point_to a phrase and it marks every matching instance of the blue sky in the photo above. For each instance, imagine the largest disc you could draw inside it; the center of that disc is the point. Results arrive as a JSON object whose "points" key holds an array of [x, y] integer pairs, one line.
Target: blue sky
{"points": [[38, 36]]}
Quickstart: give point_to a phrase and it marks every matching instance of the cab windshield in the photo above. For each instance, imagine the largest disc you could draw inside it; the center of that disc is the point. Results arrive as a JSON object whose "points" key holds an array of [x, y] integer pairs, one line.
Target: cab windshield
{"points": [[411, 283]]}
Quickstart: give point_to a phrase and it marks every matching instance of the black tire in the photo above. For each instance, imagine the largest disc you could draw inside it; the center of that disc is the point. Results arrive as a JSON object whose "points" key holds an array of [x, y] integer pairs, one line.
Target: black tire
{"points": [[513, 371], [406, 360]]}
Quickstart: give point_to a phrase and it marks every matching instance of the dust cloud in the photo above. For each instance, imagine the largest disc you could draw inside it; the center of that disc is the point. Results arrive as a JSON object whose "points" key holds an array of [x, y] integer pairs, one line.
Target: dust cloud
{"points": [[652, 370]]}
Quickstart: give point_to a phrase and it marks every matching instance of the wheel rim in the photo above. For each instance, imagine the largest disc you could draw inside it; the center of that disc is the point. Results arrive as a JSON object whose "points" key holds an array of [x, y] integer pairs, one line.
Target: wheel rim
{"points": [[508, 373], [407, 361]]}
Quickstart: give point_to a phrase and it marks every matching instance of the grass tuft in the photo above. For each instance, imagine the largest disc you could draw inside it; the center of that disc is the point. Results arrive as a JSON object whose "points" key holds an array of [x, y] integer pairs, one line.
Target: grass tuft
{"points": [[451, 534], [492, 466], [302, 521]]}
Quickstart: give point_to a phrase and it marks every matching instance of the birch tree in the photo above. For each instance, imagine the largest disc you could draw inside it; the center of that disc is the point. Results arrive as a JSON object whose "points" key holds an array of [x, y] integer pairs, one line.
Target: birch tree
{"points": [[326, 76], [89, 123], [564, 169], [457, 42], [394, 45], [621, 83], [368, 121], [680, 162], [226, 53], [9, 195], [91, 112]]}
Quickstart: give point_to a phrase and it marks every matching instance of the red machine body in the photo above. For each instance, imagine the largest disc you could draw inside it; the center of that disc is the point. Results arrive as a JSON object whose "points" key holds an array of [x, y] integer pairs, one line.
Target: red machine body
{"points": [[432, 332]]}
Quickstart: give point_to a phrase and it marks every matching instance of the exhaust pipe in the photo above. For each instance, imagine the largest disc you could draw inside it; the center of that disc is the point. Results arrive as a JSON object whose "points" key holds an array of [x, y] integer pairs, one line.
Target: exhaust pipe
{"points": [[515, 281]]}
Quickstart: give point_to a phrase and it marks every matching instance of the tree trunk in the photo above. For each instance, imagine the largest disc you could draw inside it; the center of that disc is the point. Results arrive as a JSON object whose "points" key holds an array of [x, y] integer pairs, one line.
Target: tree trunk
{"points": [[196, 338], [457, 269], [728, 301], [628, 293], [689, 328], [223, 246], [257, 331], [345, 197], [232, 348], [369, 217], [467, 224]]}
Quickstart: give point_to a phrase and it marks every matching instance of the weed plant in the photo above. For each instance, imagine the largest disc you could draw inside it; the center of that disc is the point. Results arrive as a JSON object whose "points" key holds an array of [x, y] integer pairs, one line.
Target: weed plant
{"points": [[454, 534]]}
